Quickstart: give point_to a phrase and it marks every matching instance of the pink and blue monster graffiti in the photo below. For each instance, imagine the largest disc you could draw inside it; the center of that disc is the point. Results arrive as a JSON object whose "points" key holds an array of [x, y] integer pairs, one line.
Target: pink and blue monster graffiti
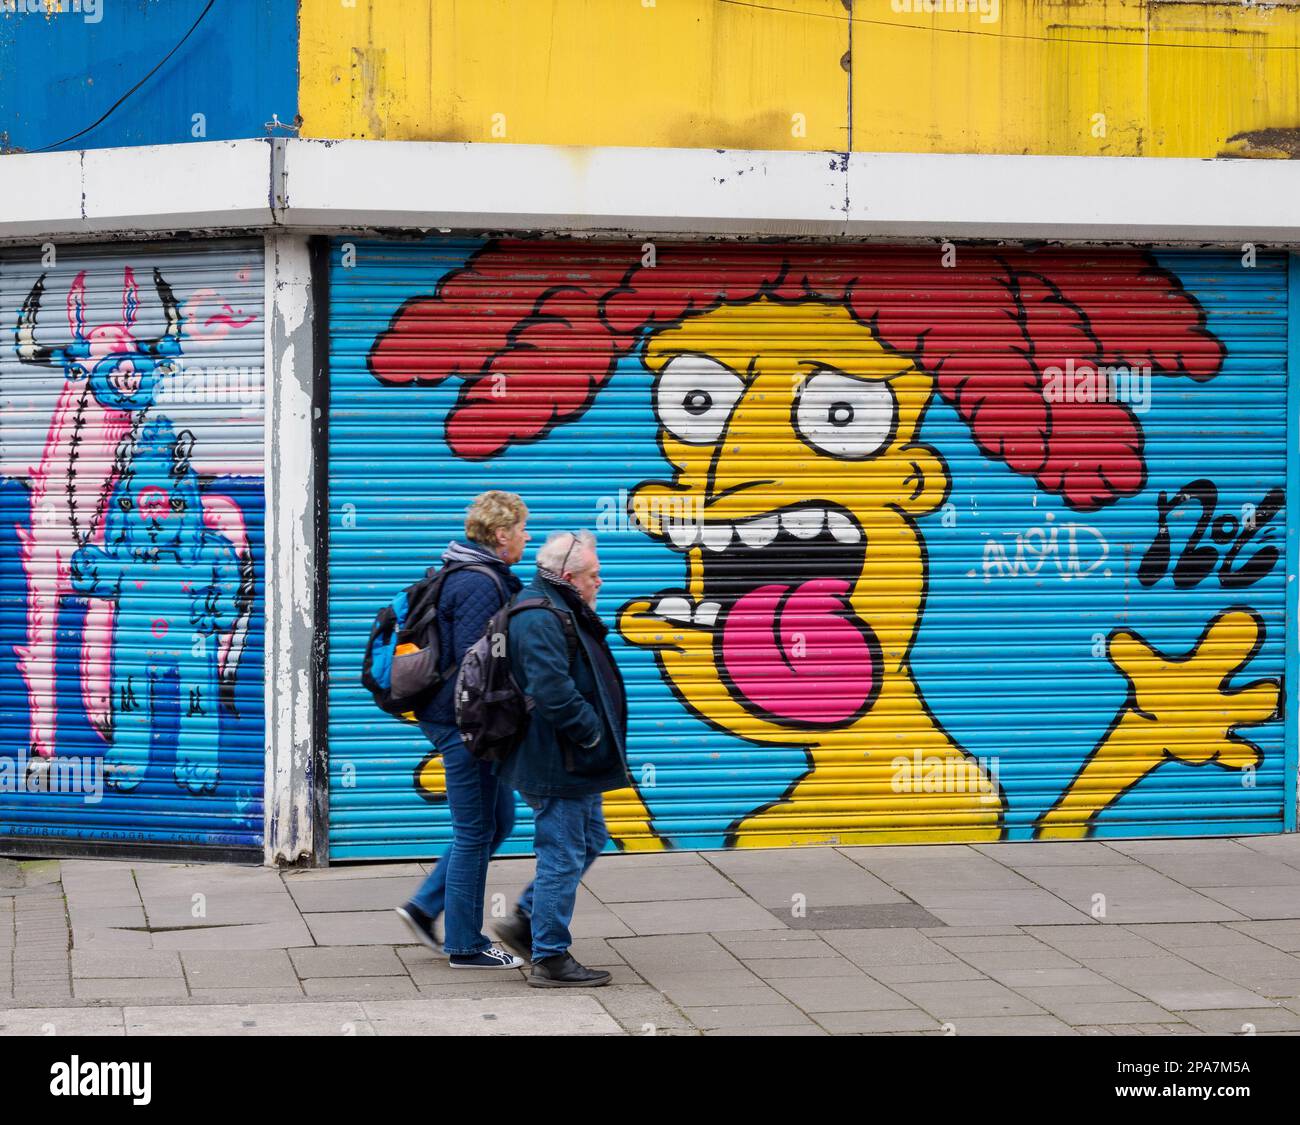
{"points": [[116, 515], [176, 586]]}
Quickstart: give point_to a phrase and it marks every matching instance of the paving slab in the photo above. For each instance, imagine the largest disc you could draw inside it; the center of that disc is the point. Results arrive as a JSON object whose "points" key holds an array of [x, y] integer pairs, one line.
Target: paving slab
{"points": [[1281, 901], [337, 1018], [360, 988], [1243, 1021], [347, 961], [1244, 868], [641, 1009], [130, 988], [1011, 1025], [249, 968], [1177, 935], [678, 882], [1094, 940], [955, 970], [855, 993], [698, 916], [675, 952], [1128, 894], [1284, 846], [776, 968], [356, 927], [96, 962], [1019, 907], [1125, 1012], [1282, 934], [968, 871], [341, 895], [745, 1015], [412, 872], [1042, 853], [538, 1013], [869, 948], [268, 935], [274, 995], [782, 1032], [953, 1000], [62, 1021], [877, 1023], [820, 877]]}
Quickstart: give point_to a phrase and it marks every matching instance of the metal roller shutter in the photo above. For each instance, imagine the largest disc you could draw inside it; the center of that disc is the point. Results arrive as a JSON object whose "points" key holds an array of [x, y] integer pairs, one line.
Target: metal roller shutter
{"points": [[131, 563], [898, 546]]}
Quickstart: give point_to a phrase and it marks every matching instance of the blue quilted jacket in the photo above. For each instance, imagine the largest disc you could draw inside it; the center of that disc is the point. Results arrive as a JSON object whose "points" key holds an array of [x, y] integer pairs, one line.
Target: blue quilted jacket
{"points": [[468, 601]]}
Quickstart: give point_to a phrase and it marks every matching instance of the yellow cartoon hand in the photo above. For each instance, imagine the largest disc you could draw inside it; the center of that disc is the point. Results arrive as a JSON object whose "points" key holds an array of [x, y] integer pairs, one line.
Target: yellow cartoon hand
{"points": [[1179, 708], [1187, 699]]}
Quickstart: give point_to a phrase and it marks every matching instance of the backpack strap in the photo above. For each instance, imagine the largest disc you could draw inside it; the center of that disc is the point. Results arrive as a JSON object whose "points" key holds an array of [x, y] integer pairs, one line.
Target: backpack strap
{"points": [[428, 609], [566, 622]]}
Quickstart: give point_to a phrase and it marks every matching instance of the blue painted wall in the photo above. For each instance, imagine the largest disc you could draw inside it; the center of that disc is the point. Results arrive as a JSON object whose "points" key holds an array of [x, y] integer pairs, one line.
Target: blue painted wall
{"points": [[60, 72]]}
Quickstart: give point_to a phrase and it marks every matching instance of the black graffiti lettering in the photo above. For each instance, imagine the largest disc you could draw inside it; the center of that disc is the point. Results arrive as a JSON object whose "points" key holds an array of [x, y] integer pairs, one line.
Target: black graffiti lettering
{"points": [[1262, 561], [1196, 561], [1198, 558]]}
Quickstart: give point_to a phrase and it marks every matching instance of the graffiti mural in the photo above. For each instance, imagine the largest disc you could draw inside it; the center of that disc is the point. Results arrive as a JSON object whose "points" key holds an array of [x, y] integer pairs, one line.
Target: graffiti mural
{"points": [[132, 511], [933, 571]]}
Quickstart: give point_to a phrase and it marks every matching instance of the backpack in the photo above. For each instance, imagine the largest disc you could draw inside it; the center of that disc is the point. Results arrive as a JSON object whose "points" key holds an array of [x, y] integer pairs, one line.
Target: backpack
{"points": [[402, 666], [492, 711]]}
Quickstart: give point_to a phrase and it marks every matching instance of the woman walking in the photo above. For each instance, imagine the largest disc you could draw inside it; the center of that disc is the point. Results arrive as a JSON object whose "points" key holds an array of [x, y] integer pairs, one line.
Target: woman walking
{"points": [[482, 811]]}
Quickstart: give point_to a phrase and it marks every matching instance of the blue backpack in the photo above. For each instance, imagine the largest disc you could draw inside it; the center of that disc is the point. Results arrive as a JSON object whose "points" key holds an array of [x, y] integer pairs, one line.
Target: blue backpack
{"points": [[403, 667]]}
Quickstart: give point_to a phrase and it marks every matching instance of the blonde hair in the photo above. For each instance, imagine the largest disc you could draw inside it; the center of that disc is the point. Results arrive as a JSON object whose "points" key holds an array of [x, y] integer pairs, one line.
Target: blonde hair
{"points": [[492, 511]]}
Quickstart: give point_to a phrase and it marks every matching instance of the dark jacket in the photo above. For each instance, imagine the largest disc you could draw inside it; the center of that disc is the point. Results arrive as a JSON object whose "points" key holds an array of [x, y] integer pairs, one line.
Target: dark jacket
{"points": [[577, 734], [469, 598]]}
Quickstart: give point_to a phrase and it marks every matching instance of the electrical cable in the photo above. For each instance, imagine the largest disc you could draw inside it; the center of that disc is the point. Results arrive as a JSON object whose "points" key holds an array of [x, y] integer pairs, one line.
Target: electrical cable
{"points": [[108, 112], [1006, 35]]}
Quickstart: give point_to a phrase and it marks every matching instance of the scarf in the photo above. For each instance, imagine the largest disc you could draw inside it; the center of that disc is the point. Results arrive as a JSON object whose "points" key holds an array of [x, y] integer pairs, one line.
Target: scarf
{"points": [[587, 616]]}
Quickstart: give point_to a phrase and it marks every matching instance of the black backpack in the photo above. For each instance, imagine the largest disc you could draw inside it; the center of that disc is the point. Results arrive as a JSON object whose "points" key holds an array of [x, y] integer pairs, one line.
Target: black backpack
{"points": [[403, 667], [492, 711]]}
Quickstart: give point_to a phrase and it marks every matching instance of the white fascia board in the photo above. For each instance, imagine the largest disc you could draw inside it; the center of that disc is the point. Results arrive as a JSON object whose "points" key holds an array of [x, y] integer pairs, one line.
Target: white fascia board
{"points": [[310, 185], [548, 187], [1073, 197], [207, 185]]}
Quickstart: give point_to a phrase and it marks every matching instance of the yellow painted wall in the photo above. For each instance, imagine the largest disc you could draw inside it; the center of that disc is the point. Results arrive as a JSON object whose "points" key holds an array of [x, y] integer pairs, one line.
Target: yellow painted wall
{"points": [[1090, 77]]}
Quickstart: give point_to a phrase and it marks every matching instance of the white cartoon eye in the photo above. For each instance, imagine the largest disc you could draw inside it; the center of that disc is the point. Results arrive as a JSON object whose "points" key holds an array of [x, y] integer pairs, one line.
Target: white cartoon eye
{"points": [[845, 417], [695, 396]]}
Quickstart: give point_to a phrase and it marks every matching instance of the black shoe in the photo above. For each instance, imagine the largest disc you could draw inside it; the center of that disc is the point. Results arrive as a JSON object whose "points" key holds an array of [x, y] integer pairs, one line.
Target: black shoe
{"points": [[516, 934], [562, 971], [421, 925]]}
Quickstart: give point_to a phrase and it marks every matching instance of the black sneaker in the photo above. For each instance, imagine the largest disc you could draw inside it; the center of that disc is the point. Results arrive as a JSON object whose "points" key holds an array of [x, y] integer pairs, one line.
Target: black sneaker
{"points": [[562, 971], [421, 925], [516, 934], [490, 958]]}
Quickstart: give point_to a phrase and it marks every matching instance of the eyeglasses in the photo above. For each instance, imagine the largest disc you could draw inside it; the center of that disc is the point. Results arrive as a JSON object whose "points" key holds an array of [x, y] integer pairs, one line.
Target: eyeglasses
{"points": [[567, 553]]}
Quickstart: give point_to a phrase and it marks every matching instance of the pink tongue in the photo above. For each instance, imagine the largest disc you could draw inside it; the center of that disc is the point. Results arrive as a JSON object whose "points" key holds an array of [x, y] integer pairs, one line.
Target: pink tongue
{"points": [[795, 655]]}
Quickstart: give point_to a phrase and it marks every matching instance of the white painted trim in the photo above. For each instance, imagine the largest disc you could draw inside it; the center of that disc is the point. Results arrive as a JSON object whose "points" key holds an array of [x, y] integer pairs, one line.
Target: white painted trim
{"points": [[308, 185], [289, 586]]}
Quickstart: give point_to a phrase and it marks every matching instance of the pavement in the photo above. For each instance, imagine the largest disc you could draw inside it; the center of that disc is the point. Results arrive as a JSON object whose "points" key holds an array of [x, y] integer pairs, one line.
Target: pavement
{"points": [[1150, 937]]}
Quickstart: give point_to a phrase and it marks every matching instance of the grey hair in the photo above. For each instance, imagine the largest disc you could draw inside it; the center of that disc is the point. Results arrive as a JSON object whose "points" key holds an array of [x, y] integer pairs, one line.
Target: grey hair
{"points": [[552, 553]]}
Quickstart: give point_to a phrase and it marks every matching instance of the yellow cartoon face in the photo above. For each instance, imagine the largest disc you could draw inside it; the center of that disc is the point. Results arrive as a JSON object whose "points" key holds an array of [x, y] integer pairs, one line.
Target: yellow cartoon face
{"points": [[792, 433]]}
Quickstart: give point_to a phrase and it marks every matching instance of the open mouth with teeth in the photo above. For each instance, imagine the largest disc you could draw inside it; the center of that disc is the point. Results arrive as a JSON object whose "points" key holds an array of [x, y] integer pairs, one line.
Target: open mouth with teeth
{"points": [[776, 596]]}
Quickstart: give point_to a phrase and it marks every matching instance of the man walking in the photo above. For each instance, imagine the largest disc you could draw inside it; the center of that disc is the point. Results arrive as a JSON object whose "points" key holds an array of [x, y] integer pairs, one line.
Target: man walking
{"points": [[574, 750]]}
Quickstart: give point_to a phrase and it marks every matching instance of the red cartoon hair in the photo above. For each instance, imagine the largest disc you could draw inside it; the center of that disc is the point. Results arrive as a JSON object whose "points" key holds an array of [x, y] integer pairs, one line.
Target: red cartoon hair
{"points": [[555, 317]]}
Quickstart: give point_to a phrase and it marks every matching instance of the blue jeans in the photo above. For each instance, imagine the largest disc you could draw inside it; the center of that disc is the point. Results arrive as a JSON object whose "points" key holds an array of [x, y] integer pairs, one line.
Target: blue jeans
{"points": [[482, 815], [570, 835]]}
